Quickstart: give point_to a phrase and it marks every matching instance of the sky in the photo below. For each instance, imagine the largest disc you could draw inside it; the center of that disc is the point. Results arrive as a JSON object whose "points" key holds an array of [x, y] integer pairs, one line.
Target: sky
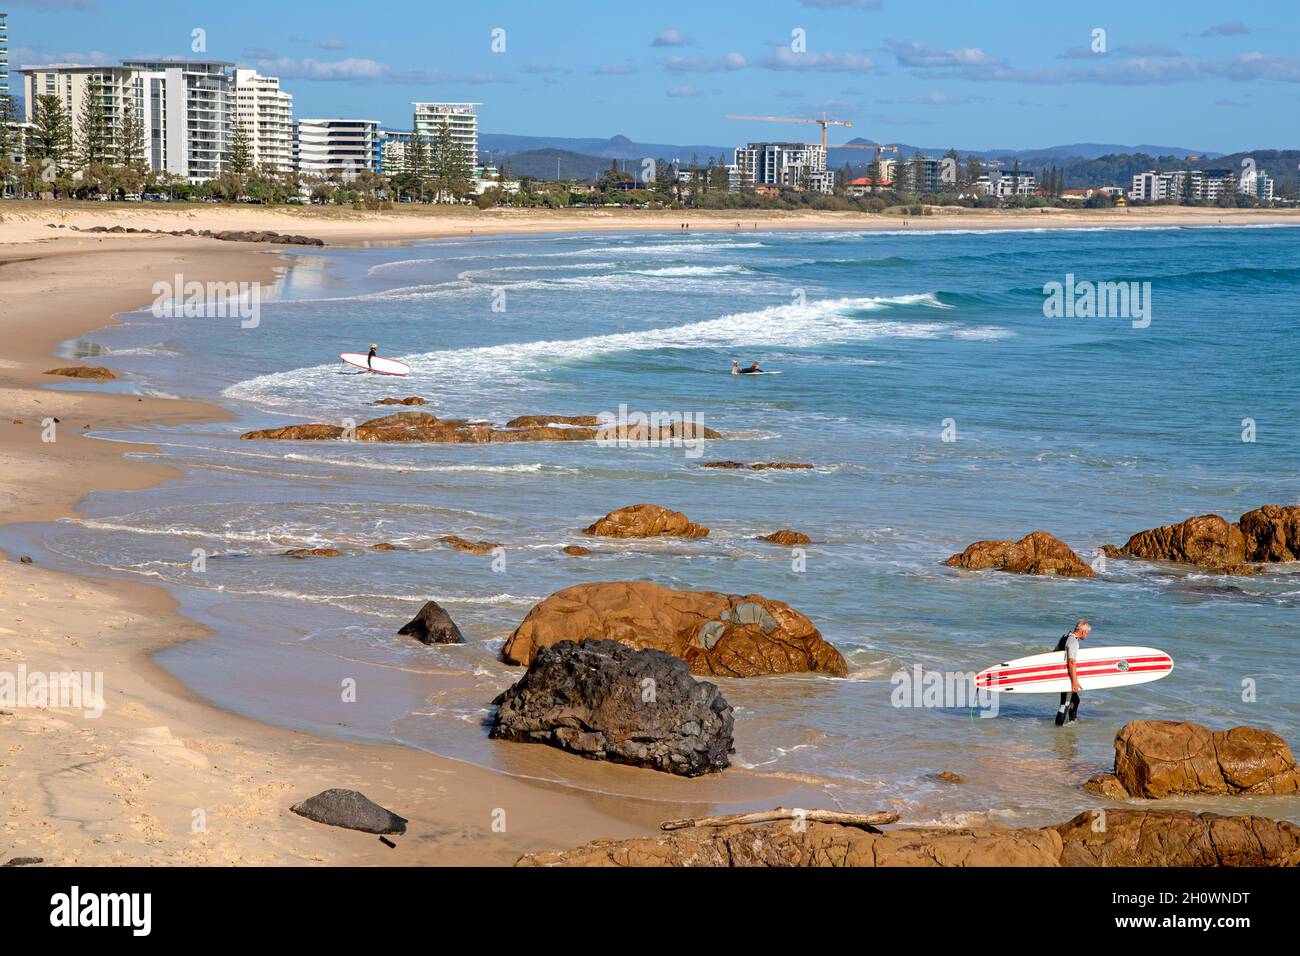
{"points": [[1199, 74]]}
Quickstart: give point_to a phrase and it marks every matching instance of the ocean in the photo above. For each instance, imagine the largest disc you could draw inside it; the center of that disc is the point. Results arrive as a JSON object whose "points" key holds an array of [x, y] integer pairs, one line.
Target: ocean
{"points": [[921, 377]]}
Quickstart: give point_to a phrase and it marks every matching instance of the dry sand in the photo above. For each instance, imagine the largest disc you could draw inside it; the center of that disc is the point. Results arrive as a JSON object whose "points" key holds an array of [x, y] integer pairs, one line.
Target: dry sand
{"points": [[129, 786]]}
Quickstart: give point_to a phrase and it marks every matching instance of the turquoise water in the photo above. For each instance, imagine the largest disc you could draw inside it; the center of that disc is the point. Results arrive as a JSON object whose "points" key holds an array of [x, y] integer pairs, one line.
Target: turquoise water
{"points": [[1089, 428]]}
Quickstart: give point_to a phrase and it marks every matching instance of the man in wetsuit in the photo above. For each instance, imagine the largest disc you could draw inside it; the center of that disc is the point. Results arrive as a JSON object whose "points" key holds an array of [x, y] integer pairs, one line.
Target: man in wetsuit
{"points": [[373, 349], [751, 370], [1068, 711]]}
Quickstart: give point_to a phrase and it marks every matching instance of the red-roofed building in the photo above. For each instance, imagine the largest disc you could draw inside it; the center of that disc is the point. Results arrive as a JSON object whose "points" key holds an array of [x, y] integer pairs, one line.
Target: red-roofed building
{"points": [[867, 185]]}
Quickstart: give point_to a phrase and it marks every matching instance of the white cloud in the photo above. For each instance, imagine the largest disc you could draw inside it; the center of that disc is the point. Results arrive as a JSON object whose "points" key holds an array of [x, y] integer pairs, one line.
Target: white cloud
{"points": [[672, 38], [687, 64]]}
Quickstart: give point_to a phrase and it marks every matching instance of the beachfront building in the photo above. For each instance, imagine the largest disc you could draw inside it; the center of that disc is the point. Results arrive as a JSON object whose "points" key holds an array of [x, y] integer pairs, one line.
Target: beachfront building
{"points": [[1208, 185], [265, 112], [336, 147], [395, 151], [188, 105], [1257, 183], [4, 55], [794, 165], [460, 119], [182, 106]]}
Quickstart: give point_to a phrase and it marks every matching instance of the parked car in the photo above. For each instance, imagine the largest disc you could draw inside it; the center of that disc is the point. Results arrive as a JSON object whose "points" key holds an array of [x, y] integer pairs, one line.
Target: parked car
{"points": [[131, 197]]}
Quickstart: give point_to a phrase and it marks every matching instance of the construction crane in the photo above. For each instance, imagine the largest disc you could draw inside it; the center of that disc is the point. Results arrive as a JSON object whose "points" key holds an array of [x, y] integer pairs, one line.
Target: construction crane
{"points": [[878, 149], [823, 122]]}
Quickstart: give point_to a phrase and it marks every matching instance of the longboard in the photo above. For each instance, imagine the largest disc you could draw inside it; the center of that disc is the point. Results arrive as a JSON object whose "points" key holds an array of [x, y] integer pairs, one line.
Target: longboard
{"points": [[761, 372], [384, 366], [1097, 667]]}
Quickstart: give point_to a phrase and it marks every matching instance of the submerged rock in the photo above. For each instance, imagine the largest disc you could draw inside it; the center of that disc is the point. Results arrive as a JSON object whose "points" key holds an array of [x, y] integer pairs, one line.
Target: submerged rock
{"points": [[576, 550], [432, 625], [1161, 758], [606, 701], [760, 465], [464, 544], [409, 400], [313, 553], [1036, 553], [349, 809], [646, 521], [726, 635], [787, 538]]}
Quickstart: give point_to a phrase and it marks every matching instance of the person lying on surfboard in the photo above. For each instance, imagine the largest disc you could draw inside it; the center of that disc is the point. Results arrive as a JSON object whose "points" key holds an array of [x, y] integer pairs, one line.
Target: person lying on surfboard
{"points": [[1068, 712], [371, 354], [737, 370]]}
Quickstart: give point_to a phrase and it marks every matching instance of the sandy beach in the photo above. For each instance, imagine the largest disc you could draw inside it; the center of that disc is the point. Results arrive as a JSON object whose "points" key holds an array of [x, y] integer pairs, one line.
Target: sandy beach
{"points": [[133, 786]]}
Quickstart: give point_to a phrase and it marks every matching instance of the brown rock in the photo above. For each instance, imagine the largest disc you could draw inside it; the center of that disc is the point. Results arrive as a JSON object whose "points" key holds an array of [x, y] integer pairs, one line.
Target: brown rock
{"points": [[297, 433], [313, 553], [96, 372], [473, 547], [531, 421], [1036, 553], [787, 538], [1106, 785], [949, 777], [1272, 533], [1204, 540], [1160, 758], [576, 550], [384, 546], [760, 465], [409, 400], [718, 634], [1115, 837], [646, 521]]}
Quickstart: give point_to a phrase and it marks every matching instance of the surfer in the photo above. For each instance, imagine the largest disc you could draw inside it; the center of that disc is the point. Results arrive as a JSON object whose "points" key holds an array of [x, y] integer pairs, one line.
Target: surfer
{"points": [[370, 355], [1068, 712], [737, 370]]}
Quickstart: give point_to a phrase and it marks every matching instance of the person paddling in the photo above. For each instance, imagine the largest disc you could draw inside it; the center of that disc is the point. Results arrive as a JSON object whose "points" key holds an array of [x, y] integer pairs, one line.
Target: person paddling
{"points": [[370, 355], [1068, 711]]}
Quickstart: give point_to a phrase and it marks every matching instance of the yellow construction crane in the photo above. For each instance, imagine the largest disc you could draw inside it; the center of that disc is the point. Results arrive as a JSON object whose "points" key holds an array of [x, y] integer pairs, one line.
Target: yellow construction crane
{"points": [[823, 122], [878, 149]]}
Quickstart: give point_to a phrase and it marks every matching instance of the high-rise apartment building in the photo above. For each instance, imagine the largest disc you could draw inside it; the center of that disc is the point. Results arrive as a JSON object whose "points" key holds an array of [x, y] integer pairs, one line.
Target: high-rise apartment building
{"points": [[783, 164], [461, 119], [325, 147], [266, 114]]}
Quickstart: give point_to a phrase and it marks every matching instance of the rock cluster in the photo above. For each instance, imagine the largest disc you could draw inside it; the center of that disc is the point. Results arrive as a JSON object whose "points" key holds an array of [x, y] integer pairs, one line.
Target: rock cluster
{"points": [[759, 465], [226, 235], [425, 427], [1146, 838], [1266, 535], [606, 701], [1036, 553], [1161, 758], [724, 635]]}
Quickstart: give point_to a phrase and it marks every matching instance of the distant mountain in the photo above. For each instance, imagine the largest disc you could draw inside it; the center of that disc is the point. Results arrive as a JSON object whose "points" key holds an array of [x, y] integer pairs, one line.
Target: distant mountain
{"points": [[1048, 155], [496, 145], [546, 163]]}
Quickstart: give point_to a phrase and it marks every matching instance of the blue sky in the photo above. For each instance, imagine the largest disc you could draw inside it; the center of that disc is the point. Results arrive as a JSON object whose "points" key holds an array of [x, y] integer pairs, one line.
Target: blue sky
{"points": [[1199, 74]]}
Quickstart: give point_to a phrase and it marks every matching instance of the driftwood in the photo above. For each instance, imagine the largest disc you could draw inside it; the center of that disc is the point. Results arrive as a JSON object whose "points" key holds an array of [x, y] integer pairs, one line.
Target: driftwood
{"points": [[866, 821]]}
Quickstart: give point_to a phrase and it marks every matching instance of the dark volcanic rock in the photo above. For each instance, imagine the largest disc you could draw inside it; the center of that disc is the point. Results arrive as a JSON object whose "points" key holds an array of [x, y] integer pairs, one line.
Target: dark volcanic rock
{"points": [[606, 701], [349, 809], [433, 625]]}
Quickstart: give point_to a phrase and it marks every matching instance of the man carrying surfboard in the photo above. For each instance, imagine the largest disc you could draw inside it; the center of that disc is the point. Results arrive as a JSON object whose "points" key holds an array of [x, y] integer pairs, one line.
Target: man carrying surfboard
{"points": [[1068, 712], [374, 349]]}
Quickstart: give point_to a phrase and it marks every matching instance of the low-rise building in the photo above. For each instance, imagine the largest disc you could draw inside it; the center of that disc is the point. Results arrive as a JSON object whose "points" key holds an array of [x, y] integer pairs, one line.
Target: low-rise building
{"points": [[338, 146]]}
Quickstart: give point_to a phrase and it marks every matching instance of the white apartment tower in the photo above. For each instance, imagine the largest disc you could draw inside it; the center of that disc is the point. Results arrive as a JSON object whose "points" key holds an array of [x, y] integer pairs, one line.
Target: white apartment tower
{"points": [[324, 147], [266, 113], [460, 118], [115, 90], [4, 55]]}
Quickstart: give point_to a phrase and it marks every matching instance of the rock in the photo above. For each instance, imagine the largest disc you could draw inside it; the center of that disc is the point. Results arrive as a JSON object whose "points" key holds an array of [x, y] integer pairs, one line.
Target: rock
{"points": [[349, 809], [24, 861], [576, 550], [646, 521], [384, 546], [424, 427], [718, 634], [25, 559], [1272, 533], [1204, 540], [1177, 838], [1146, 838], [760, 465], [473, 547], [949, 777], [532, 421], [590, 698], [313, 553], [409, 400], [96, 372], [1160, 758], [1036, 553], [787, 539], [433, 625]]}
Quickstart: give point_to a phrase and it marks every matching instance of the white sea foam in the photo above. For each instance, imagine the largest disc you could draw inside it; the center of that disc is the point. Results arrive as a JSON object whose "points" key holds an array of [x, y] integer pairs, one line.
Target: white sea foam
{"points": [[813, 323]]}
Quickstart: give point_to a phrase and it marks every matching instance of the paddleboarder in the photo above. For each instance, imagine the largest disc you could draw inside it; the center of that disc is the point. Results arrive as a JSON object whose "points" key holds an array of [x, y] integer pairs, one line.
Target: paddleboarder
{"points": [[1068, 712]]}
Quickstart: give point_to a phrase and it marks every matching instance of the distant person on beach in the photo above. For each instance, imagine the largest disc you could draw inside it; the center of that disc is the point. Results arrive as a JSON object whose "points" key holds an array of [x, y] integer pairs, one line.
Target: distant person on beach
{"points": [[371, 354], [1068, 712]]}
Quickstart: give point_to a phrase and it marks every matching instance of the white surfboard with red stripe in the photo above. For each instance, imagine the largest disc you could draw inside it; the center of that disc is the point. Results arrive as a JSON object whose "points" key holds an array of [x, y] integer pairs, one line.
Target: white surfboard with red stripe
{"points": [[1097, 667]]}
